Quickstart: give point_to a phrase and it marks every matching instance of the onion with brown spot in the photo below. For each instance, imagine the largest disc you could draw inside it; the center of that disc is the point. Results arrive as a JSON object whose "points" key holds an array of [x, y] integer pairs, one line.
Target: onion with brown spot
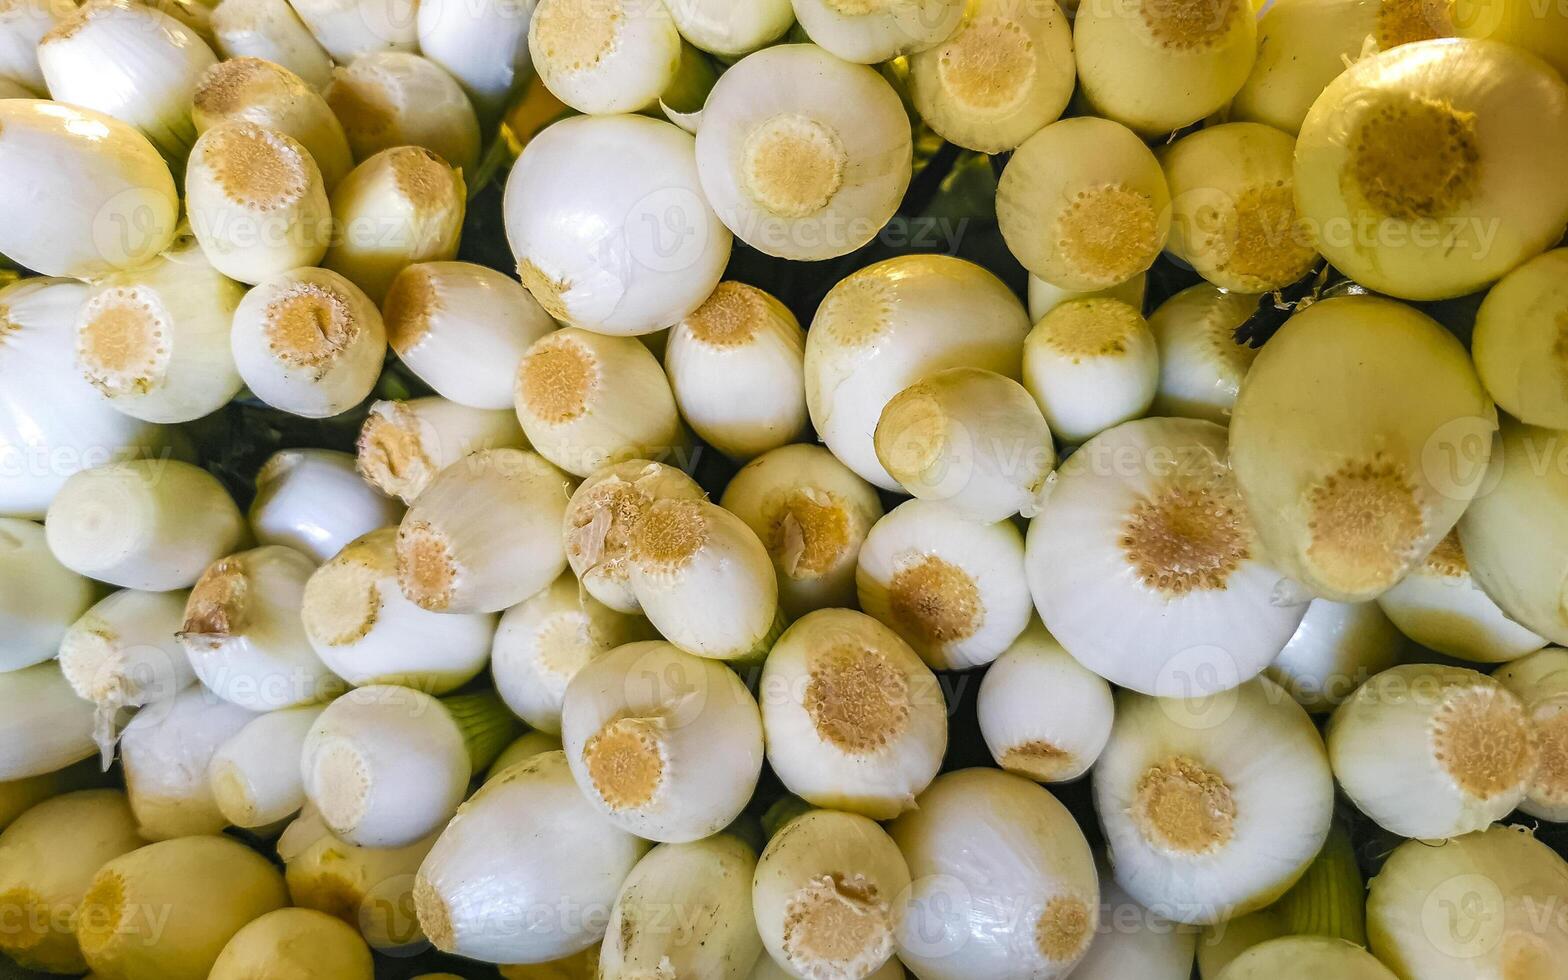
{"points": [[1540, 680], [1233, 206], [1157, 66], [954, 590], [404, 445], [707, 885], [1145, 565], [463, 329], [1427, 171], [854, 720], [309, 342], [1201, 362], [1090, 364], [256, 202], [601, 517], [704, 580], [205, 890], [265, 93], [604, 56], [1212, 806], [735, 366], [666, 744], [486, 533], [155, 340], [48, 857], [53, 415], [1430, 751], [1002, 76], [1303, 45], [1043, 715], [828, 895], [403, 205], [1360, 435], [1083, 204], [244, 634], [364, 629], [812, 513], [370, 888], [586, 400], [980, 841]]}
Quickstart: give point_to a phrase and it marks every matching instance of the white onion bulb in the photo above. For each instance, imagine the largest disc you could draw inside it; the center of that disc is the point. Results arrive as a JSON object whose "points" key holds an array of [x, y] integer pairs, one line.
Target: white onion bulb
{"points": [[166, 750], [112, 203], [144, 524], [707, 884], [403, 445], [586, 400], [667, 745], [828, 895], [1440, 606], [40, 598], [204, 889], [890, 324], [309, 342], [1445, 222], [1430, 751], [1083, 204], [1002, 76], [543, 641], [1470, 907], [394, 98], [254, 90], [463, 329], [155, 340], [601, 517], [527, 871], [609, 225], [1042, 714], [270, 30], [130, 61], [1360, 435], [854, 720], [254, 774], [804, 156], [1145, 566], [1336, 649], [485, 535], [735, 367], [244, 634], [1004, 883], [1540, 680], [367, 632], [313, 501], [953, 589], [1201, 361], [1214, 806]]}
